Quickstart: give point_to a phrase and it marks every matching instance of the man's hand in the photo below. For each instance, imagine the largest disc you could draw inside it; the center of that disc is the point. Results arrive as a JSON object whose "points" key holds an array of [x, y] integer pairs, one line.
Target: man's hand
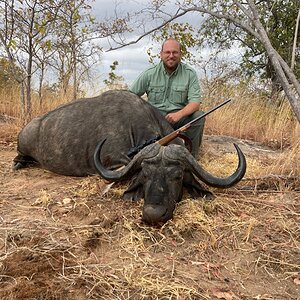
{"points": [[190, 108], [172, 118]]}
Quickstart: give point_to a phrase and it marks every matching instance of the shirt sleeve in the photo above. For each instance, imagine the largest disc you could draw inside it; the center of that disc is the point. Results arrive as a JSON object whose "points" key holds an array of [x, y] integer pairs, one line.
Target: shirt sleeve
{"points": [[194, 93], [139, 86]]}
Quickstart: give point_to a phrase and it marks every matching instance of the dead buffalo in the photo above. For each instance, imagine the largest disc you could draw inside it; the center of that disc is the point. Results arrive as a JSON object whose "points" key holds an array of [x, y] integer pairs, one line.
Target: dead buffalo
{"points": [[94, 135]]}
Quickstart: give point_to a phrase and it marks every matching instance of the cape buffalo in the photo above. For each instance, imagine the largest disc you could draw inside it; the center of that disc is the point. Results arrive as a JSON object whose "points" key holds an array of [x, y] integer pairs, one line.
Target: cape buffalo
{"points": [[94, 135]]}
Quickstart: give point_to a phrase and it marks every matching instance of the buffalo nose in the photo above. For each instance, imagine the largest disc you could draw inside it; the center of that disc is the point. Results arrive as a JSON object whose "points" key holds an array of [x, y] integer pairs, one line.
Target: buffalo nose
{"points": [[154, 214]]}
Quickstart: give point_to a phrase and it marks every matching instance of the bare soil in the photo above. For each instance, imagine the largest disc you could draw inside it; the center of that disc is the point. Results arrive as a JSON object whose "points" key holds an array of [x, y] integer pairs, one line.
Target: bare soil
{"points": [[61, 239]]}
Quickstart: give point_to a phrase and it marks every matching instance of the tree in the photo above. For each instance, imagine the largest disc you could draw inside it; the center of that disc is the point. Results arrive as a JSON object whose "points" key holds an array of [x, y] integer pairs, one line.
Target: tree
{"points": [[36, 34], [24, 27], [42, 60], [240, 16], [113, 78], [75, 51], [7, 75], [280, 23]]}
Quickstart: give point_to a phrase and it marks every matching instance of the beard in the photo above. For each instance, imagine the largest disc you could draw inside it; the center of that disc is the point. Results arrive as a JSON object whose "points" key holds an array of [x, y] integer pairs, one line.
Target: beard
{"points": [[171, 65]]}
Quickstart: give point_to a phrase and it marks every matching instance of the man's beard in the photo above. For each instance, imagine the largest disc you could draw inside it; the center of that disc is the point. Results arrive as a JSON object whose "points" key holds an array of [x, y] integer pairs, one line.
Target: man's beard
{"points": [[171, 68]]}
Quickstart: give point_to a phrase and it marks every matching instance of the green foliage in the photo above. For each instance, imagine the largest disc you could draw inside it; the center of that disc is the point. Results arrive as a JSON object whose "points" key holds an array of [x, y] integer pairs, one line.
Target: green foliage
{"points": [[7, 74], [279, 19], [280, 24], [183, 32], [112, 77]]}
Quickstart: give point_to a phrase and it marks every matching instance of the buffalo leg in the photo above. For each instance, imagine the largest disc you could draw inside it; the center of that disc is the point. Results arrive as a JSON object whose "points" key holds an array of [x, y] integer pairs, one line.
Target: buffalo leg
{"points": [[23, 161]]}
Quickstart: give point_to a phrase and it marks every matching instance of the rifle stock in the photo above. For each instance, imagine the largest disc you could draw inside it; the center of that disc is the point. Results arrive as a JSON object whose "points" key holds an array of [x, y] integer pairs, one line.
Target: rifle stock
{"points": [[171, 136]]}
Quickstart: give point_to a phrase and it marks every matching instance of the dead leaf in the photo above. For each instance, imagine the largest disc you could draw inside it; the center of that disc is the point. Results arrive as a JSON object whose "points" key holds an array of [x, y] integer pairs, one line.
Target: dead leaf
{"points": [[227, 295], [297, 280]]}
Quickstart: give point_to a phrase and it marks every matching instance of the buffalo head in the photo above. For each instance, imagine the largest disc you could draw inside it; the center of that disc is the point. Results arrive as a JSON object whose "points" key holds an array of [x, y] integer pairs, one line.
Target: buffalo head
{"points": [[160, 174]]}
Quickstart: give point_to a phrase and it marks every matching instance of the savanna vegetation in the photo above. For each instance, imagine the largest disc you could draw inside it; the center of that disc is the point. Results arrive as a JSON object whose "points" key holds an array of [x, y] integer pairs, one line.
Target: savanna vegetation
{"points": [[64, 238]]}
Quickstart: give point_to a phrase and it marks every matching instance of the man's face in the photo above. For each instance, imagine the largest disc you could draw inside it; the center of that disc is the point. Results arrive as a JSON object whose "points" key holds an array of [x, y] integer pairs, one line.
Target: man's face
{"points": [[171, 55]]}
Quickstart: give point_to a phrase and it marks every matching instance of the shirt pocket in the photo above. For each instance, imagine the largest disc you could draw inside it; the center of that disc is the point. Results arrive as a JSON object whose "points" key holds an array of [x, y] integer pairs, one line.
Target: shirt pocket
{"points": [[179, 94], [156, 94]]}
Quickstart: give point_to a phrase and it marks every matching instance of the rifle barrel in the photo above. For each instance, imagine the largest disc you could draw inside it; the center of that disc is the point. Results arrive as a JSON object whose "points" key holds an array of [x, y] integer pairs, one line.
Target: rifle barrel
{"points": [[171, 136], [208, 112]]}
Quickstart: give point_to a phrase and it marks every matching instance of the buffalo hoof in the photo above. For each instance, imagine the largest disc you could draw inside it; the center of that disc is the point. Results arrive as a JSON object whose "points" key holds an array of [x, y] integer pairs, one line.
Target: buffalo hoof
{"points": [[21, 162], [16, 166]]}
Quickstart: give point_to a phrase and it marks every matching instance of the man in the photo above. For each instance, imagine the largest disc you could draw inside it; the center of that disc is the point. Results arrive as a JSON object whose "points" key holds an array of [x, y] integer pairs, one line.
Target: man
{"points": [[173, 88]]}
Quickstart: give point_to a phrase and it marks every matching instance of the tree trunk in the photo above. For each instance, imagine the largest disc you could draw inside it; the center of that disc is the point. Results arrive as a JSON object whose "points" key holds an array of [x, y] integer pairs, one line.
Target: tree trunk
{"points": [[28, 83], [295, 41], [272, 53], [22, 98], [41, 85], [75, 80], [280, 66]]}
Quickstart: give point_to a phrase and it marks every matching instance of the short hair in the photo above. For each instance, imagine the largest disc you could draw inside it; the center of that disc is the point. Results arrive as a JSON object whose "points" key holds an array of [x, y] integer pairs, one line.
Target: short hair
{"points": [[170, 39]]}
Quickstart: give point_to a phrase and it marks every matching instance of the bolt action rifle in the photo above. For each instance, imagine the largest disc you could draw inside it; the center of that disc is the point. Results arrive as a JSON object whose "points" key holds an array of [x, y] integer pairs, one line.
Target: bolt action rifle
{"points": [[165, 140], [173, 135]]}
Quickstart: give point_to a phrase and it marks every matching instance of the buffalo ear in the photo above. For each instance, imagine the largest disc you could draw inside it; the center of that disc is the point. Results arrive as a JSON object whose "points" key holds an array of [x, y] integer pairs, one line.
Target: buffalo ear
{"points": [[194, 188], [135, 191]]}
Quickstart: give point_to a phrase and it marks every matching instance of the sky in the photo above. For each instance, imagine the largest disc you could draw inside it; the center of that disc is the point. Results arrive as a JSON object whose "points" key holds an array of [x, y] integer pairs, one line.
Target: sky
{"points": [[133, 59]]}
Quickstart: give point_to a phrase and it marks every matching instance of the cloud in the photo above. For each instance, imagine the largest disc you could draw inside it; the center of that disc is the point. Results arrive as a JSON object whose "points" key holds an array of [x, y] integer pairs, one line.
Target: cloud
{"points": [[132, 61]]}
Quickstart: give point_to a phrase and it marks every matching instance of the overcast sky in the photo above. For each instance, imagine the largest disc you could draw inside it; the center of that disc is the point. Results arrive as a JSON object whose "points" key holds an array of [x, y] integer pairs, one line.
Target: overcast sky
{"points": [[133, 59]]}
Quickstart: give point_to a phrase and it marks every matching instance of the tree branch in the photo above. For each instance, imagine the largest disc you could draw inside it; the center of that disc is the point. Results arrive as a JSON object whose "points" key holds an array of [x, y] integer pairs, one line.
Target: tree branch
{"points": [[177, 15]]}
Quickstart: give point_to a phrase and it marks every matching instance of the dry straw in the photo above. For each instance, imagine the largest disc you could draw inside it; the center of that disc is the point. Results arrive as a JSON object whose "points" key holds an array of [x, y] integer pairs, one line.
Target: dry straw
{"points": [[71, 242]]}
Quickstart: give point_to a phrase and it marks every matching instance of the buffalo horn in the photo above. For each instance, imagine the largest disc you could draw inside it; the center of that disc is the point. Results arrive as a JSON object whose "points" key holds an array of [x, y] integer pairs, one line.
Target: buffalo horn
{"points": [[191, 164], [126, 171]]}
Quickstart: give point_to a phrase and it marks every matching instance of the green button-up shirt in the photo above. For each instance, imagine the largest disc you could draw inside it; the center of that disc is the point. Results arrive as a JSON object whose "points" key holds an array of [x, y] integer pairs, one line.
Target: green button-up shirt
{"points": [[168, 92]]}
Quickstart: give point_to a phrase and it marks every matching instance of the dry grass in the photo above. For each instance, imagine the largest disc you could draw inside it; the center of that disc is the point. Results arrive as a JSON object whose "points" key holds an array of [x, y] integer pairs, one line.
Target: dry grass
{"points": [[10, 104], [250, 116], [217, 250], [61, 239]]}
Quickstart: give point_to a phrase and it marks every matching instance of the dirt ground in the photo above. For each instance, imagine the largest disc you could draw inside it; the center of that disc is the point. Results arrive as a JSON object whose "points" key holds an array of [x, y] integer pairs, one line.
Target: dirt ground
{"points": [[61, 239]]}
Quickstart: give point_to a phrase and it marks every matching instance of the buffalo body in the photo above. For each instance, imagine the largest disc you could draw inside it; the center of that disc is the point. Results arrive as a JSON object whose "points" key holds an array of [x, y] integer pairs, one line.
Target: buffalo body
{"points": [[94, 135]]}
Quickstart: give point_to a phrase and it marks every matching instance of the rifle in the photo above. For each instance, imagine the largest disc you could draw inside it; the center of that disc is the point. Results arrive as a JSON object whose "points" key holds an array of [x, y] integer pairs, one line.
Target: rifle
{"points": [[173, 135], [165, 140]]}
